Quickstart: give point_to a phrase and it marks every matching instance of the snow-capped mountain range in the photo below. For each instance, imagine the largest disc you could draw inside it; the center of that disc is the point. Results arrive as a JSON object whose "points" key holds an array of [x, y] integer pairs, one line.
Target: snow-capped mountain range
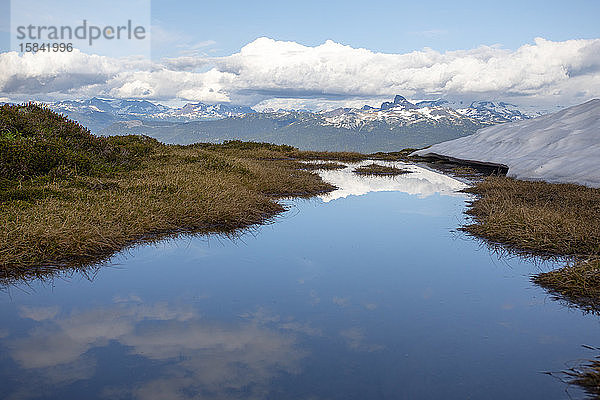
{"points": [[144, 109], [403, 112], [485, 111], [99, 113], [116, 107], [393, 125]]}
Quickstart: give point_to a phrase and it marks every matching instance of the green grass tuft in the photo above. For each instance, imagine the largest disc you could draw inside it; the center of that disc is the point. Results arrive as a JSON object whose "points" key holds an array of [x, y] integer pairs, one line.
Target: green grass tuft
{"points": [[380, 170]]}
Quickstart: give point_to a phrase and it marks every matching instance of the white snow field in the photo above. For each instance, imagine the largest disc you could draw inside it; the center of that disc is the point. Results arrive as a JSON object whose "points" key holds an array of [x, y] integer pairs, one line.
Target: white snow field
{"points": [[563, 147]]}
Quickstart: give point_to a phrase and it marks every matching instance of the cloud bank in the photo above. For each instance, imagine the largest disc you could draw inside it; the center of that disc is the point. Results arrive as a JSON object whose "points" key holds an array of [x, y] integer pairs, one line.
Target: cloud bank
{"points": [[559, 72]]}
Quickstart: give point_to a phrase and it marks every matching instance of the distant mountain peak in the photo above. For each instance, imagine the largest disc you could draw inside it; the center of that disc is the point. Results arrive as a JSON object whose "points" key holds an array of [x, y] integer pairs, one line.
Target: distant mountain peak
{"points": [[399, 99], [399, 102]]}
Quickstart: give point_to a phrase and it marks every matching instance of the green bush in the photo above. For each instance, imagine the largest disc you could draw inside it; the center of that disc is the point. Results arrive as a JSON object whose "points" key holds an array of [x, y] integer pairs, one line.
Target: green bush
{"points": [[35, 141]]}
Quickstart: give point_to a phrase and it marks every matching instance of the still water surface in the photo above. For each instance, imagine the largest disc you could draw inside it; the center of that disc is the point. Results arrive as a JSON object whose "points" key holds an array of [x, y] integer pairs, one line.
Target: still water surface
{"points": [[365, 293]]}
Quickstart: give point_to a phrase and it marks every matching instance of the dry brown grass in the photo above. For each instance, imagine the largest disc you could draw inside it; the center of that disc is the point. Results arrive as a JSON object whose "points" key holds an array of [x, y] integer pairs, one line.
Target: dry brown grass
{"points": [[584, 373], [470, 173], [379, 170], [267, 151], [587, 377], [402, 155], [539, 217], [547, 219], [328, 155], [176, 189], [321, 166], [576, 284]]}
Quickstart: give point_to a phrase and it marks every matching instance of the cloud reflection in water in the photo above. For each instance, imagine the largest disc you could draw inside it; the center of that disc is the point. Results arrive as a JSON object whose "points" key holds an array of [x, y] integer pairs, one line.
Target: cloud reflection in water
{"points": [[420, 181], [194, 357]]}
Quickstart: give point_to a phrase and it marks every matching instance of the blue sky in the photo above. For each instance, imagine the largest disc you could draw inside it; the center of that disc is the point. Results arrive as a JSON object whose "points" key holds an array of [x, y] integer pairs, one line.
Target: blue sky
{"points": [[385, 26], [317, 53]]}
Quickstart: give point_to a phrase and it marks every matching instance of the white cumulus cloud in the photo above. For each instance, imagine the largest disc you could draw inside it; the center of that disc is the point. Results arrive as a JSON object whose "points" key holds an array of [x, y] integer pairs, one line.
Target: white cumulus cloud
{"points": [[544, 70]]}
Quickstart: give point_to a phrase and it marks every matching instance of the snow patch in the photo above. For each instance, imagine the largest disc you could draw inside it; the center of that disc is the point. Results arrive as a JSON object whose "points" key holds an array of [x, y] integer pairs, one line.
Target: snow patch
{"points": [[563, 147]]}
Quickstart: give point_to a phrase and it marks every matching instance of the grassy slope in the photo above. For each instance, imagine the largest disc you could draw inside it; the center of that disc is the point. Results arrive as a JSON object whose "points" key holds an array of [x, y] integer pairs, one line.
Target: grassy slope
{"points": [[69, 198]]}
